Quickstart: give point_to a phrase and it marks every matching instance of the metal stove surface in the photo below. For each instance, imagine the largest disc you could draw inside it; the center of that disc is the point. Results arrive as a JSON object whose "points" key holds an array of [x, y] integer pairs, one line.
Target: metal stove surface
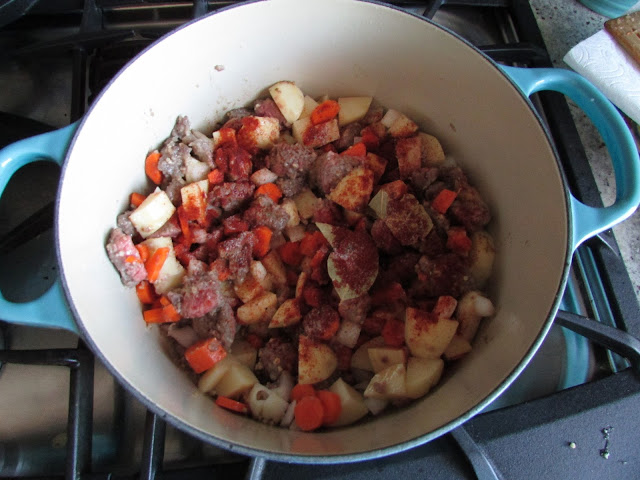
{"points": [[35, 94]]}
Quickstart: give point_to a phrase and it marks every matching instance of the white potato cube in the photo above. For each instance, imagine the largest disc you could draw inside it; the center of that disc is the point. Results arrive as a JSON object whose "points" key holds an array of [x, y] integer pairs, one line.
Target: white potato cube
{"points": [[348, 333], [389, 383], [195, 170], [262, 176], [354, 189], [237, 380], [289, 206], [273, 264], [384, 357], [481, 256], [208, 381], [259, 132], [315, 136], [309, 106], [259, 309], [289, 99], [153, 213], [316, 361], [172, 271], [422, 375], [244, 353], [360, 358], [352, 109], [431, 152], [306, 203], [288, 314], [353, 406], [458, 347], [426, 334]]}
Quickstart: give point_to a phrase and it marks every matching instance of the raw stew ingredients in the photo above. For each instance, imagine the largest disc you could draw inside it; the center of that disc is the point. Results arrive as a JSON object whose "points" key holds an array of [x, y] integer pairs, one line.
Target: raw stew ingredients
{"points": [[310, 262]]}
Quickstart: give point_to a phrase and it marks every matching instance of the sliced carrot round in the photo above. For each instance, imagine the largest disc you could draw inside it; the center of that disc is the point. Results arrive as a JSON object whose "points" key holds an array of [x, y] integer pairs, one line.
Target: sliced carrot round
{"points": [[309, 413], [302, 390], [332, 406], [231, 404]]}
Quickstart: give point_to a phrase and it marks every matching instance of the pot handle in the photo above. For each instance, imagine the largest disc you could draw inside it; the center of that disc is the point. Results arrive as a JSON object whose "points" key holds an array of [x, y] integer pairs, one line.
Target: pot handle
{"points": [[589, 221], [50, 309]]}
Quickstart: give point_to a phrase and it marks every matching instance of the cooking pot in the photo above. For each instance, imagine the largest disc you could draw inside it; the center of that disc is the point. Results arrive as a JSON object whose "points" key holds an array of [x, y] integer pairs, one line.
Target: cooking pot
{"points": [[479, 110]]}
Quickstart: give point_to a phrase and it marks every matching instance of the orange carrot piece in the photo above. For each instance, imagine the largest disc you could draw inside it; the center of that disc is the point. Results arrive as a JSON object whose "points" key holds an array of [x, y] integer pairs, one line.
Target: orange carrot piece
{"points": [[324, 112], [151, 167], [204, 354], [145, 292], [171, 314], [187, 235], [290, 253], [231, 404], [458, 240], [271, 190], [153, 315], [136, 199], [143, 250], [393, 332], [262, 246], [302, 390], [309, 413], [443, 200], [332, 406], [215, 176], [369, 138], [357, 150], [311, 243], [155, 262], [132, 259]]}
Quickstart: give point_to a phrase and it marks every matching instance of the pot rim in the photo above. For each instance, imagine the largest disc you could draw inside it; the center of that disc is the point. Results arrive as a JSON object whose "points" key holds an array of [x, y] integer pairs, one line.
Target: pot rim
{"points": [[323, 458]]}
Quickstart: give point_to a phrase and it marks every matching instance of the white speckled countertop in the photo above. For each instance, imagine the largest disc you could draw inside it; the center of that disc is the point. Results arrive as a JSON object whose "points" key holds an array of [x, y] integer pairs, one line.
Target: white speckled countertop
{"points": [[563, 25]]}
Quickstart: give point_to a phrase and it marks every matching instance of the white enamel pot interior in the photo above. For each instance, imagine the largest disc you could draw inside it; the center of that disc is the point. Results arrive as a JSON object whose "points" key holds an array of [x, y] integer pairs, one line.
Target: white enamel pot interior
{"points": [[339, 47]]}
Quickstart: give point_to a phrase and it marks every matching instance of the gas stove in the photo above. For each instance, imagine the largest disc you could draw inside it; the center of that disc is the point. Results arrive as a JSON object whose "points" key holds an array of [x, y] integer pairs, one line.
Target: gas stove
{"points": [[572, 412]]}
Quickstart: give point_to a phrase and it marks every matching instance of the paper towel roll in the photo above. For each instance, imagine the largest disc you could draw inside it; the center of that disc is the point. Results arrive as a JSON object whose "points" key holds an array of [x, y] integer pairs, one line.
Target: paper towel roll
{"points": [[610, 68]]}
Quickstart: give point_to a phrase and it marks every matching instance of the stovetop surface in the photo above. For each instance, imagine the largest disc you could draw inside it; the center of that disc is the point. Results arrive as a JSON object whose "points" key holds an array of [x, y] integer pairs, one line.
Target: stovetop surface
{"points": [[590, 426]]}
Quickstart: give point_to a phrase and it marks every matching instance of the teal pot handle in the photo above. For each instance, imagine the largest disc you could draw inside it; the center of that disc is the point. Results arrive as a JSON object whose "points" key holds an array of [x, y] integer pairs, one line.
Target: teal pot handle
{"points": [[589, 221], [50, 309]]}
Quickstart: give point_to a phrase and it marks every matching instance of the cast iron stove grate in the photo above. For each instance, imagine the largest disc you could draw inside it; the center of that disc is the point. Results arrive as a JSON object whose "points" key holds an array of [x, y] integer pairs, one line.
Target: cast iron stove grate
{"points": [[99, 37]]}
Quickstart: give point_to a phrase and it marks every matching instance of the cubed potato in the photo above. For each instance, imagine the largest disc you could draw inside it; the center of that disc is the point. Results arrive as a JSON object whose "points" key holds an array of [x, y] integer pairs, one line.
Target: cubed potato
{"points": [[152, 213], [249, 289], [302, 281], [289, 206], [194, 200], [195, 170], [472, 307], [353, 109], [244, 353], [315, 135], [390, 117], [289, 99], [360, 358], [481, 257], [409, 153], [426, 334], [353, 406], [209, 379], [259, 272], [422, 375], [172, 272], [458, 347], [432, 153], [259, 132], [273, 264], [354, 189], [306, 202], [288, 314], [384, 357], [262, 176], [389, 383], [238, 380], [376, 405], [259, 309], [316, 361], [445, 306], [266, 405], [376, 164], [348, 333], [402, 126], [295, 233], [309, 106]]}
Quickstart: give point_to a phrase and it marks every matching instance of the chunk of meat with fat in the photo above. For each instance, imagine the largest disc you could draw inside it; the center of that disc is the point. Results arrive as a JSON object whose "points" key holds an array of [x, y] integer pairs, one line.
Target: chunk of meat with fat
{"points": [[329, 168], [125, 257], [199, 294], [277, 356], [231, 196], [238, 251], [264, 211]]}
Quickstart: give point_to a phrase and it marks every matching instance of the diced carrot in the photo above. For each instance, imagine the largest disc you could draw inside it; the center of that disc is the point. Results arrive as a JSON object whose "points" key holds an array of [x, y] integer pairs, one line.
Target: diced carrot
{"points": [[205, 354], [231, 404], [324, 112], [143, 250], [290, 253], [369, 138], [458, 241], [309, 412], [332, 406], [311, 242], [171, 314], [302, 390], [271, 190], [443, 200], [145, 292], [357, 150], [136, 199], [215, 177], [151, 167], [133, 259], [164, 301], [187, 235], [393, 332], [227, 137], [162, 314], [155, 262], [262, 246]]}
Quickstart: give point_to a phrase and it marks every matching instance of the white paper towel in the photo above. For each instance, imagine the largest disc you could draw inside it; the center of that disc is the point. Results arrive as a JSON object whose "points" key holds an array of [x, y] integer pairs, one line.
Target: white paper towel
{"points": [[610, 68]]}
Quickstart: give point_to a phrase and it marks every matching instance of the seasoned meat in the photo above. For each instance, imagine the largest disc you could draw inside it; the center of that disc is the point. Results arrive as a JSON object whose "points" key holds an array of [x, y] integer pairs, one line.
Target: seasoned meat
{"points": [[202, 147], [329, 168], [219, 323], [327, 212], [321, 323], [422, 178], [200, 293], [169, 229], [277, 356], [124, 223], [125, 257], [234, 162], [268, 108], [401, 268], [292, 164], [470, 209], [238, 251], [446, 274], [173, 158], [263, 211], [384, 239], [182, 127], [231, 196], [347, 135]]}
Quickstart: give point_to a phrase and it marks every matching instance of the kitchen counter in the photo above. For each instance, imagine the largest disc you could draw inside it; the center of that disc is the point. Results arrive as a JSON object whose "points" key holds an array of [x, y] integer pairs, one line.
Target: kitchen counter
{"points": [[563, 25]]}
